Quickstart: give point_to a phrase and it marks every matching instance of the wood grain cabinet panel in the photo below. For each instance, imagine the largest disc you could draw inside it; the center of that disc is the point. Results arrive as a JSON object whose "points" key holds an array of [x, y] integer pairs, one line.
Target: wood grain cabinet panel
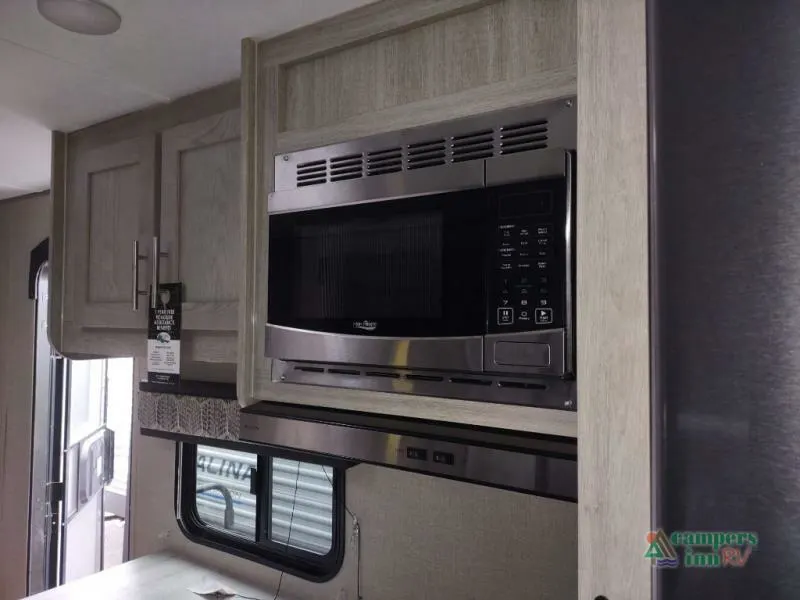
{"points": [[200, 219], [501, 41], [112, 204]]}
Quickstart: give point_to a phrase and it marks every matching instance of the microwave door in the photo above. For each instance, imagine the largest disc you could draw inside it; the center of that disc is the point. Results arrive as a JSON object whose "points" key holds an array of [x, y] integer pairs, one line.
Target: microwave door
{"points": [[381, 283]]}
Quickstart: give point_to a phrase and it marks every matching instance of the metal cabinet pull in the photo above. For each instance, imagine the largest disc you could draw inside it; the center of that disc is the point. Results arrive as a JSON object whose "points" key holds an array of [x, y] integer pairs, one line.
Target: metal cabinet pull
{"points": [[136, 259], [158, 254]]}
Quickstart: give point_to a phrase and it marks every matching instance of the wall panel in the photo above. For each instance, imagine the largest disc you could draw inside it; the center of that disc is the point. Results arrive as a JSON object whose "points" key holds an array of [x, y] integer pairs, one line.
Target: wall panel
{"points": [[24, 222]]}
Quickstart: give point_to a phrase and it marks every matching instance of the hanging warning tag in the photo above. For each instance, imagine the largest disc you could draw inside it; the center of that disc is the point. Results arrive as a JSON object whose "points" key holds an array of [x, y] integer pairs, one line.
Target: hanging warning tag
{"points": [[164, 336]]}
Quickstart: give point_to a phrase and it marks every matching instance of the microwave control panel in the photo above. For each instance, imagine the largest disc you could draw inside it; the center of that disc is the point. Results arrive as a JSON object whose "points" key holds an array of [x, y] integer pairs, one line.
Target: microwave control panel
{"points": [[528, 272]]}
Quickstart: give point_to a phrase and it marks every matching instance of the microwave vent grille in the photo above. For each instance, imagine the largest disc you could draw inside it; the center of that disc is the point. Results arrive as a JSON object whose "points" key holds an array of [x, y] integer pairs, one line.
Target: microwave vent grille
{"points": [[380, 162], [421, 376], [471, 386], [346, 167], [473, 146], [312, 173], [426, 154], [461, 146], [522, 137]]}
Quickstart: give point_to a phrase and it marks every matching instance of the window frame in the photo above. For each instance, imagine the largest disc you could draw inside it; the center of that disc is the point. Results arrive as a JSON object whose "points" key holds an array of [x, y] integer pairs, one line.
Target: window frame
{"points": [[301, 563]]}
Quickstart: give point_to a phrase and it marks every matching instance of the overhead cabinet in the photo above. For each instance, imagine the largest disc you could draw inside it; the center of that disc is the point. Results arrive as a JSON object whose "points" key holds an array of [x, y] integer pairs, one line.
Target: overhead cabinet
{"points": [[111, 211], [155, 200], [200, 226]]}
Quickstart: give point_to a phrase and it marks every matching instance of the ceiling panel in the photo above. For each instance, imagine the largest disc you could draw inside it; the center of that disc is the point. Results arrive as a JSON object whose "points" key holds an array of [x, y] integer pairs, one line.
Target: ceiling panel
{"points": [[55, 79]]}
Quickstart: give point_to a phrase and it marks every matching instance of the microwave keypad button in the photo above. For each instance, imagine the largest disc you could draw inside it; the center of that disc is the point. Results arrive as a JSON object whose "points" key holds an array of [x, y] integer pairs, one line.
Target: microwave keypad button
{"points": [[507, 231], [542, 265], [506, 266], [525, 314], [544, 241], [544, 316], [506, 250], [524, 232], [544, 302], [505, 316], [524, 265], [543, 230]]}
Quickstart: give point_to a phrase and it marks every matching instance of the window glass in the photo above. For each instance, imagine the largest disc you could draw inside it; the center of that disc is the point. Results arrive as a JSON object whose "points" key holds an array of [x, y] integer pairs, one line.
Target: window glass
{"points": [[223, 497], [87, 388], [302, 505]]}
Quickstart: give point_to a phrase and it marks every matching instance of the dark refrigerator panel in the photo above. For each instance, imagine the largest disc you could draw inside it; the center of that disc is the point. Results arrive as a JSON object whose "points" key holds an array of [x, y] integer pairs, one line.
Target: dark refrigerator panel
{"points": [[725, 224]]}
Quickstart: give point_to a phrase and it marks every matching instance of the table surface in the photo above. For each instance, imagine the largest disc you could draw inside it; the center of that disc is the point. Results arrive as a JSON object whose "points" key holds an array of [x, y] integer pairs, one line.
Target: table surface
{"points": [[157, 576]]}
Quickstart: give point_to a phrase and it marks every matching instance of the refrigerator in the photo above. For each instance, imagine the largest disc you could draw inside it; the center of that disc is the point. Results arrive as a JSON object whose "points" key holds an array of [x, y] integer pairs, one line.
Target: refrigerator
{"points": [[724, 99]]}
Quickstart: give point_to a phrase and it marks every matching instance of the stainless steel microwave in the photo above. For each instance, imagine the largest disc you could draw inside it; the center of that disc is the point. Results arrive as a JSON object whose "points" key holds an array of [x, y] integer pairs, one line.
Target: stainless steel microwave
{"points": [[435, 261]]}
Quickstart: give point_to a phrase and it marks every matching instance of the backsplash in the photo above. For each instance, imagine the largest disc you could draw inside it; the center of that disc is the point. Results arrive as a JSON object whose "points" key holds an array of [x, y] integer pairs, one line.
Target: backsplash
{"points": [[198, 416]]}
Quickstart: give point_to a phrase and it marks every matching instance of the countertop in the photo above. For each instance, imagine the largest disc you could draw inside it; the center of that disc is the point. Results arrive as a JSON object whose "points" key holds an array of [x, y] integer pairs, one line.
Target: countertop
{"points": [[157, 576]]}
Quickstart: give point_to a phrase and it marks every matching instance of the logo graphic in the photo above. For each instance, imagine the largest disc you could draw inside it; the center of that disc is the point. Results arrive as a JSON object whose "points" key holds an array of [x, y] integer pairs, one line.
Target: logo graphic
{"points": [[661, 551], [365, 325], [700, 549]]}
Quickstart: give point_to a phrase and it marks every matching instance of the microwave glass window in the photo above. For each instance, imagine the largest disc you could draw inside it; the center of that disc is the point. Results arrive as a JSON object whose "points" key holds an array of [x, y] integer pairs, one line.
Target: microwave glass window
{"points": [[370, 268], [410, 268]]}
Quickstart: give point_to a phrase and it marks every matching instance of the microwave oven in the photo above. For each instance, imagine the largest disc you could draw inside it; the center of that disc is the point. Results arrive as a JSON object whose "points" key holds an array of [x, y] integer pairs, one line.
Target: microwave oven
{"points": [[436, 261]]}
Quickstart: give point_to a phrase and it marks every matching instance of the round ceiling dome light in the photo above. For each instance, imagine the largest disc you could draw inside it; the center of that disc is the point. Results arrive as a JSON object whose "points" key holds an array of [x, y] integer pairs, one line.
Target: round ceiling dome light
{"points": [[90, 17]]}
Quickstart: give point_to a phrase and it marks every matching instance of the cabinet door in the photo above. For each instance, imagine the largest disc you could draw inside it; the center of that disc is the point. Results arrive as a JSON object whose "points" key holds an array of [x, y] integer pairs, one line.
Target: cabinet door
{"points": [[200, 220], [112, 203]]}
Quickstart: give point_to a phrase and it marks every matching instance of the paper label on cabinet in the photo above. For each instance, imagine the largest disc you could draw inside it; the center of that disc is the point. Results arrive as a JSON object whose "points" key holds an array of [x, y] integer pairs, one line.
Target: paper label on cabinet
{"points": [[164, 336]]}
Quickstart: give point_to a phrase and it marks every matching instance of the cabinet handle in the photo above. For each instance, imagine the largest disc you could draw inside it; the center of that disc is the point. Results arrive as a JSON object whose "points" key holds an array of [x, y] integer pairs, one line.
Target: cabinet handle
{"points": [[157, 256], [156, 265], [136, 259]]}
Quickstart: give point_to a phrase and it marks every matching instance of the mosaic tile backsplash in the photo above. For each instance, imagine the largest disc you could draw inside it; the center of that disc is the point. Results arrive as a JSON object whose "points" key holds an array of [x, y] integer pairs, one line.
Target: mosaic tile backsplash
{"points": [[189, 415]]}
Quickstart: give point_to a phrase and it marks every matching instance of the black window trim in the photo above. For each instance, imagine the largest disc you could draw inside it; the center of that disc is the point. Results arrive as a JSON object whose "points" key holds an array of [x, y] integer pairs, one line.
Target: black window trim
{"points": [[278, 556]]}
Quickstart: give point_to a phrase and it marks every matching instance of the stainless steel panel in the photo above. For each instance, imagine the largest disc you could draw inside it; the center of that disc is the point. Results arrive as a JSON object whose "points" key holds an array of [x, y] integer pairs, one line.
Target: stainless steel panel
{"points": [[560, 114], [554, 339], [725, 218], [523, 354], [569, 254], [456, 354], [432, 180], [548, 475], [499, 388], [525, 166]]}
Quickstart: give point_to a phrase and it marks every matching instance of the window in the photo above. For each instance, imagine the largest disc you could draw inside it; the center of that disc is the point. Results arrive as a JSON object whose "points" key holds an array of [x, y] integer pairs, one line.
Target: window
{"points": [[284, 511]]}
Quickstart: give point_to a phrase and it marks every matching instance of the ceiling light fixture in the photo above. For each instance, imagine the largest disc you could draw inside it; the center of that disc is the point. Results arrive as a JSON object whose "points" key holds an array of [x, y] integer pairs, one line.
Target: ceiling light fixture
{"points": [[90, 17]]}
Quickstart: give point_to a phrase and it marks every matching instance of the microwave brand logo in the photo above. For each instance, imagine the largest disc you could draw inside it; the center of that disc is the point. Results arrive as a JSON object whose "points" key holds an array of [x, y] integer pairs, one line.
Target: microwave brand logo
{"points": [[365, 325]]}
